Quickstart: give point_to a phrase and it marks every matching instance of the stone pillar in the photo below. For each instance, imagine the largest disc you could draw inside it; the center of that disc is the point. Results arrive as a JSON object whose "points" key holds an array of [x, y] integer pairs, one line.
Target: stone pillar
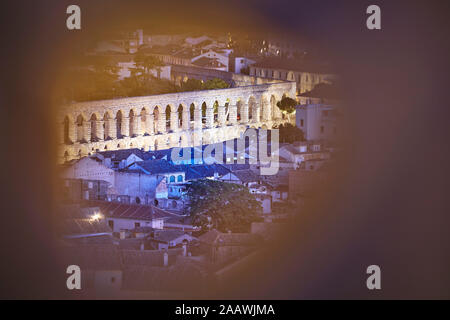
{"points": [[186, 119], [99, 130], [110, 127], [244, 113], [61, 133], [256, 112], [198, 117], [267, 113], [162, 122], [87, 131], [209, 116], [174, 121], [72, 131], [125, 127], [137, 127], [233, 114], [149, 123], [221, 116]]}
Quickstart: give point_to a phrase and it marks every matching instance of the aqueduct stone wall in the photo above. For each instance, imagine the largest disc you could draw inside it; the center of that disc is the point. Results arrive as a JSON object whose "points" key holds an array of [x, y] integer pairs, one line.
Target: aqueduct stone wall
{"points": [[168, 120]]}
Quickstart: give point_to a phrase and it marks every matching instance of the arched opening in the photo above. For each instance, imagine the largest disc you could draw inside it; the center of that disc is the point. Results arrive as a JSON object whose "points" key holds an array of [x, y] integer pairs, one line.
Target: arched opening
{"points": [[180, 178], [80, 128], [239, 110], [168, 118], [156, 119], [155, 202], [253, 114], [265, 107], [133, 124], [216, 113], [227, 112], [191, 113], [119, 117], [93, 121], [274, 108], [67, 125], [172, 179], [180, 116], [144, 124], [138, 200], [204, 112], [107, 130]]}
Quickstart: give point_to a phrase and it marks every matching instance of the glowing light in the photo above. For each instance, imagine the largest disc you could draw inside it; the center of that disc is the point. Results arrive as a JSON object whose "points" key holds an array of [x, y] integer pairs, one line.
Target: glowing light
{"points": [[96, 216]]}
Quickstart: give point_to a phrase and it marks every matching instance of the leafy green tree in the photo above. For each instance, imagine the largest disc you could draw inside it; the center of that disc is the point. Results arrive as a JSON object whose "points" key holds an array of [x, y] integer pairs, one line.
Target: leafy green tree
{"points": [[192, 85], [287, 106], [221, 205], [215, 83], [290, 133]]}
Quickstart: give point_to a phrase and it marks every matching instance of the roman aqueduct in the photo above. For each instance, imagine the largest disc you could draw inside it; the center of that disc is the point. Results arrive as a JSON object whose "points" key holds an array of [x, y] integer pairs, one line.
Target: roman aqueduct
{"points": [[170, 120]]}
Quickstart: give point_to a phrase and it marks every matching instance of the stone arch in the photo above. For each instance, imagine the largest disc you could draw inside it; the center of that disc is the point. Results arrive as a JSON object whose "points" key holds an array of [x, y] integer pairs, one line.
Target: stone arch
{"points": [[96, 124], [121, 127], [82, 131], [159, 119], [276, 113], [253, 110], [66, 156], [239, 106], [145, 121], [172, 117], [109, 124], [265, 108], [204, 106], [223, 112], [68, 130], [135, 123], [181, 116]]}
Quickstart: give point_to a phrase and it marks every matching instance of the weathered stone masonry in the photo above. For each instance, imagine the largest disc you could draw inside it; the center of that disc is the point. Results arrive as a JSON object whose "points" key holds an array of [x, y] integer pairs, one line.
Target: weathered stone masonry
{"points": [[166, 121]]}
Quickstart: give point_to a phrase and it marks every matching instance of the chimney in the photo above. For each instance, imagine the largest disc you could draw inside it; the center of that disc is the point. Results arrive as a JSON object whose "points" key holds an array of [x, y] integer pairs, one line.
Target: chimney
{"points": [[166, 259]]}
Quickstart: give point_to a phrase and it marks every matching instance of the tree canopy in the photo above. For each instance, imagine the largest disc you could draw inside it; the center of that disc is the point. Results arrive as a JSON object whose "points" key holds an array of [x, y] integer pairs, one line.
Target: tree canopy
{"points": [[221, 205], [290, 133], [287, 105]]}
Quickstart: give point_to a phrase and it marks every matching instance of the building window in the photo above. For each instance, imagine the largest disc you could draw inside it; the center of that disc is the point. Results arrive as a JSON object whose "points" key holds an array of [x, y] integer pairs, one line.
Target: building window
{"points": [[322, 129], [138, 200], [137, 224], [180, 178], [90, 185], [302, 122], [113, 279], [172, 179]]}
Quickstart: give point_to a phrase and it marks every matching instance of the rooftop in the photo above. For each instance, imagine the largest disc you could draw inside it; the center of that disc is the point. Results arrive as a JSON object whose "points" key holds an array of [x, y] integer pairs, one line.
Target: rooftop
{"points": [[293, 64], [128, 211]]}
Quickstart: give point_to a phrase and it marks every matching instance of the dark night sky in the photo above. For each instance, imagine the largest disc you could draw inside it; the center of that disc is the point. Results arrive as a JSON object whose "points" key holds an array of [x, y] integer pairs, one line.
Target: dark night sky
{"points": [[391, 206]]}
